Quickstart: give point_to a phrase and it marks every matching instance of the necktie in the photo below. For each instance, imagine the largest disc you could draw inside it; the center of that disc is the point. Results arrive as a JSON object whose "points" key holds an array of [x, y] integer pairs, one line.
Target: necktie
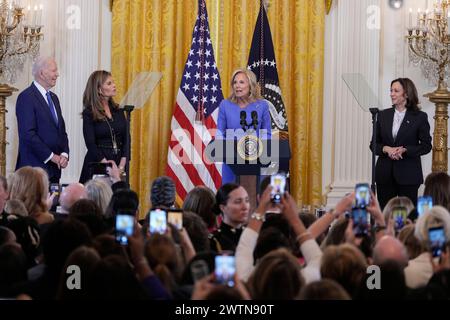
{"points": [[52, 107]]}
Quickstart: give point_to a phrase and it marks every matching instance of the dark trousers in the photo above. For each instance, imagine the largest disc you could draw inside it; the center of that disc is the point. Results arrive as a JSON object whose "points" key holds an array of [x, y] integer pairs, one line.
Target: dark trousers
{"points": [[386, 192]]}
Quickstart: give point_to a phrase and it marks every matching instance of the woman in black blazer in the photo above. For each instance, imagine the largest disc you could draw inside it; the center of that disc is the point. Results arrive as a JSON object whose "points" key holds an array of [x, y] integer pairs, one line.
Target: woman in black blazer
{"points": [[403, 135], [104, 124]]}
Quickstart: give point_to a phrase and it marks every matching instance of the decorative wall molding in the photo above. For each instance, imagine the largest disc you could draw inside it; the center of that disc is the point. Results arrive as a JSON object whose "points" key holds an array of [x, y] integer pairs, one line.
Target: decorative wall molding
{"points": [[352, 47]]}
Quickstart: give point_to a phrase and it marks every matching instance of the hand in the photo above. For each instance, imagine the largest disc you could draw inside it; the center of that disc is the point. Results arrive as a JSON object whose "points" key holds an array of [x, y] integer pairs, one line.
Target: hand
{"points": [[50, 198], [136, 245], [63, 162], [265, 201], [290, 209], [390, 229], [203, 287], [399, 152], [113, 172], [396, 153], [123, 162], [392, 152], [375, 211], [56, 159], [345, 204], [350, 235], [444, 261]]}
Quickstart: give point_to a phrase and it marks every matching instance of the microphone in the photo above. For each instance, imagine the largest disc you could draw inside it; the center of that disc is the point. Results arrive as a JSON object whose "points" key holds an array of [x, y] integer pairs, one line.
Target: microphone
{"points": [[254, 119], [243, 120]]}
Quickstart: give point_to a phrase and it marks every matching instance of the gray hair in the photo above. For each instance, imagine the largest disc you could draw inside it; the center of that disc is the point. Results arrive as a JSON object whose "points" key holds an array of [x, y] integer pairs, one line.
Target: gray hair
{"points": [[99, 192], [437, 215], [39, 64]]}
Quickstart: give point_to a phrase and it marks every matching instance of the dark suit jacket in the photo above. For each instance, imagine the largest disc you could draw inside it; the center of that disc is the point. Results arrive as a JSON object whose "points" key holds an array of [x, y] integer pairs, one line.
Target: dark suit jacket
{"points": [[414, 135], [39, 136]]}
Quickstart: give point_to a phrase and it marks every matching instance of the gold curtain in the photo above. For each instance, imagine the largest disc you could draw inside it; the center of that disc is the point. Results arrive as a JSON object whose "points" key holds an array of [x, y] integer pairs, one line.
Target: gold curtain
{"points": [[154, 35]]}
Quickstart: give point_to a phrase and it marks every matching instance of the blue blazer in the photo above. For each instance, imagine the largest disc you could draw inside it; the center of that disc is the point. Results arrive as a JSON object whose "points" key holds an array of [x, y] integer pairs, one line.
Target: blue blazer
{"points": [[39, 136]]}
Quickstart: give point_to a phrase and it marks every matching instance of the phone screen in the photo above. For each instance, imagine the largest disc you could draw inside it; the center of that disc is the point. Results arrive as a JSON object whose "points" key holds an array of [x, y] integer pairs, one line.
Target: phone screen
{"points": [[278, 183], [399, 214], [362, 195], [124, 227], [360, 222], [424, 204], [225, 270], [158, 221], [175, 218], [436, 238], [54, 188], [99, 168]]}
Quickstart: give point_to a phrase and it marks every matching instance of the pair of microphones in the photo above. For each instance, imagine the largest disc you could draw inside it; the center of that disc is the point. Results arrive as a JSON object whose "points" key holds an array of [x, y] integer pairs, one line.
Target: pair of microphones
{"points": [[245, 126]]}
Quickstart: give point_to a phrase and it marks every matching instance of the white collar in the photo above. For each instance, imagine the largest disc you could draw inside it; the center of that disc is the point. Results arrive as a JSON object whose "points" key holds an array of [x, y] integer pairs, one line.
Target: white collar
{"points": [[40, 88]]}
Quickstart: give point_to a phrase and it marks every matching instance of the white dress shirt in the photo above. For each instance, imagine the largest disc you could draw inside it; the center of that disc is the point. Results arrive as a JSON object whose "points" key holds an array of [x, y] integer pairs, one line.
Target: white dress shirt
{"points": [[398, 119]]}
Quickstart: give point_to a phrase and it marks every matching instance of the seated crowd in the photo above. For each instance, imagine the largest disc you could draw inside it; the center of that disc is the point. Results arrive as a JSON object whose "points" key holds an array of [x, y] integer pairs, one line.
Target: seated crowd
{"points": [[219, 248]]}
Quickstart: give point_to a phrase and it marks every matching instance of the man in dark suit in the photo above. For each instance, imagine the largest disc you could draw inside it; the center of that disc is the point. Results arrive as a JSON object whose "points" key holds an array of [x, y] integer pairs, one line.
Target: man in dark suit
{"points": [[42, 132]]}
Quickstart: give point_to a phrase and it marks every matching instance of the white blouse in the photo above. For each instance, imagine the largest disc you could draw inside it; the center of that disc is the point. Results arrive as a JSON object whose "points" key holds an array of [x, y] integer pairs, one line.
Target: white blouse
{"points": [[398, 119]]}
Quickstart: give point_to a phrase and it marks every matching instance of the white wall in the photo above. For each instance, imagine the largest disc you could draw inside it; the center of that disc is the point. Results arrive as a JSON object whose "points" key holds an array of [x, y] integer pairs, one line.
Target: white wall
{"points": [[381, 55], [78, 35], [351, 47]]}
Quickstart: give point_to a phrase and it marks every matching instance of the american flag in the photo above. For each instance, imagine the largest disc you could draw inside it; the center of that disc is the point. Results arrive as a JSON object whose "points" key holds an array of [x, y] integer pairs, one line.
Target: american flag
{"points": [[263, 63], [194, 120]]}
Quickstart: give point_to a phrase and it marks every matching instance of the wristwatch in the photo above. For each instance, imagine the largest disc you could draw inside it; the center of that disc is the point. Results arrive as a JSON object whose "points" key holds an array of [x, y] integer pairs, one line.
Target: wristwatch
{"points": [[378, 228], [258, 216]]}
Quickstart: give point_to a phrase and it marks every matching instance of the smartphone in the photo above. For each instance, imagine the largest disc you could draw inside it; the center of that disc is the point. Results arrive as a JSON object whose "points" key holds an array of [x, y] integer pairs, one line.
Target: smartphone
{"points": [[99, 168], [175, 218], [362, 195], [54, 188], [360, 222], [158, 221], [319, 212], [436, 237], [424, 204], [399, 214], [225, 270], [124, 227], [278, 183]]}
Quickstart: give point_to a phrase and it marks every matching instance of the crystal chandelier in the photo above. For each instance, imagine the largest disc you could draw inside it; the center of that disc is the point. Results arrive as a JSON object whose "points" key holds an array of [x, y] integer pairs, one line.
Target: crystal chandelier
{"points": [[429, 46], [429, 42], [20, 36]]}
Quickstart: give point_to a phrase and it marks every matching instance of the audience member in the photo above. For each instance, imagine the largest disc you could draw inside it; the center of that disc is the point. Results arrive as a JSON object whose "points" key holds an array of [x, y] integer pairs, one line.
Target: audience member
{"points": [[99, 192], [325, 289], [30, 185], [233, 204], [162, 193], [71, 194], [201, 200], [437, 185]]}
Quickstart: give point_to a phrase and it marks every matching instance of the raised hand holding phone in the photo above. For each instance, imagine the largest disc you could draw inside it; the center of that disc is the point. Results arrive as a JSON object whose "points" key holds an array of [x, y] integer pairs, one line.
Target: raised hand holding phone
{"points": [[158, 221], [124, 227]]}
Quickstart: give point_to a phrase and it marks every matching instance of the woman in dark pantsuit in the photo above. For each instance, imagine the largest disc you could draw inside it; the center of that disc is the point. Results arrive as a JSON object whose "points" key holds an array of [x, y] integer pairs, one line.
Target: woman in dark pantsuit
{"points": [[104, 124], [403, 135]]}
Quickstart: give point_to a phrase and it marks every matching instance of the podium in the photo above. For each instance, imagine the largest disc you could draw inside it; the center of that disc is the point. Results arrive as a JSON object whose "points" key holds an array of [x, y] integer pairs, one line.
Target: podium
{"points": [[251, 158]]}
